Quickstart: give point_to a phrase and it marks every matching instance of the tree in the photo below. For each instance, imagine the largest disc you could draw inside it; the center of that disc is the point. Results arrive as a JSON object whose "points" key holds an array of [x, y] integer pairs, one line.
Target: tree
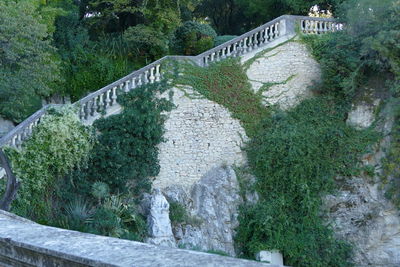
{"points": [[29, 69], [225, 15]]}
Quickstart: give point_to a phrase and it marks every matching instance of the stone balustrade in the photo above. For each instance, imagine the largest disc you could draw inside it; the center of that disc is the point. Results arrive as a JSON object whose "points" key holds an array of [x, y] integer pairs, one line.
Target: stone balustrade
{"points": [[100, 102], [310, 25]]}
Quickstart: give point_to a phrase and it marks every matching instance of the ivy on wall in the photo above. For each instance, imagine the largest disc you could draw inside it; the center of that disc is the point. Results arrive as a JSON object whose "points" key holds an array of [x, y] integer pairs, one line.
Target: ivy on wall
{"points": [[226, 83]]}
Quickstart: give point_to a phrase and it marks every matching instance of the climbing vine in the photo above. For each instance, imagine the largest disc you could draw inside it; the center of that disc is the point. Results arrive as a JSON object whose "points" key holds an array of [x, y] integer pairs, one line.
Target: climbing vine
{"points": [[226, 83]]}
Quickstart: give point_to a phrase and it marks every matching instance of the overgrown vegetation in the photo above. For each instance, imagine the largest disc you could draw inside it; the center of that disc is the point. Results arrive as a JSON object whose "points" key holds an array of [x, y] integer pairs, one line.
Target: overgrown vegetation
{"points": [[179, 215], [295, 156], [193, 38], [368, 47]]}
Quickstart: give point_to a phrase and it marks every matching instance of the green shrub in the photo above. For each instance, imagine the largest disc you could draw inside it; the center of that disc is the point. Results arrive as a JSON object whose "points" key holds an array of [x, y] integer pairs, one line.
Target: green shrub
{"points": [[120, 168], [144, 41], [126, 154], [219, 40], [295, 156], [58, 144], [193, 38]]}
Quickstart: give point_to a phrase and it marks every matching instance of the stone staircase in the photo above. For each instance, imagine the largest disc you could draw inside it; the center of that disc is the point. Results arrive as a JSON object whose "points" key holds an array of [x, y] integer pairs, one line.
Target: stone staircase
{"points": [[104, 102]]}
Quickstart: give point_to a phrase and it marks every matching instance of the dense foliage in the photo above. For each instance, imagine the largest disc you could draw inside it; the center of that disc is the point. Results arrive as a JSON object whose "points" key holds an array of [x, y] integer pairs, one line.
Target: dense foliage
{"points": [[368, 45], [295, 157], [57, 145], [193, 38], [29, 68]]}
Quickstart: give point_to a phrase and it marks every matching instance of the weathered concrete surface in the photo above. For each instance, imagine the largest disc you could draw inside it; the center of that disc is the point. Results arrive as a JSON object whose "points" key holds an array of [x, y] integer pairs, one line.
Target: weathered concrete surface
{"points": [[24, 243]]}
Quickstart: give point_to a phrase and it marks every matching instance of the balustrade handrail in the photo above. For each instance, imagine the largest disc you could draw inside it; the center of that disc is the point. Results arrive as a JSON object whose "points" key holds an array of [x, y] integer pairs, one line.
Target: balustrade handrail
{"points": [[106, 96]]}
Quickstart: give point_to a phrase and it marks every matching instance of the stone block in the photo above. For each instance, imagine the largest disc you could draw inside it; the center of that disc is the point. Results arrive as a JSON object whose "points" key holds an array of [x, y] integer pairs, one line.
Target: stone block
{"points": [[273, 257]]}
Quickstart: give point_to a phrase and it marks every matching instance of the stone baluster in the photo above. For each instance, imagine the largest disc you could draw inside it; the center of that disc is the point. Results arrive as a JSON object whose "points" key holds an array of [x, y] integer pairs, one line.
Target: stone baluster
{"points": [[152, 77], [121, 87], [256, 42], [133, 83], [250, 43], [244, 46], [223, 53], [229, 50], [146, 78], [94, 106], [114, 95], [82, 113], [127, 86], [140, 83], [14, 141], [158, 73], [219, 55], [108, 100], [212, 57], [232, 53], [329, 26], [276, 30], [265, 35], [30, 128], [101, 104], [307, 26], [87, 110]]}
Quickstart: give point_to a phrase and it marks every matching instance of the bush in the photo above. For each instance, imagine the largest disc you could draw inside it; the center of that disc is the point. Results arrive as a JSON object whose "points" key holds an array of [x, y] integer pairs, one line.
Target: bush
{"points": [[193, 38], [127, 148], [144, 41], [58, 144], [219, 40]]}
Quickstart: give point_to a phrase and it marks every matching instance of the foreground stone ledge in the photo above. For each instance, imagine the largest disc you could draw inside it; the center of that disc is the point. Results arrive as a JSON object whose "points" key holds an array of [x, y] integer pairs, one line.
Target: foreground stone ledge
{"points": [[25, 243]]}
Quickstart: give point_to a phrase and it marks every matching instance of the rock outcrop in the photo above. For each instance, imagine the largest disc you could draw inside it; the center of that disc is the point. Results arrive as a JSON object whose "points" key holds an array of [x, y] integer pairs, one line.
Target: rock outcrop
{"points": [[360, 213], [214, 202]]}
